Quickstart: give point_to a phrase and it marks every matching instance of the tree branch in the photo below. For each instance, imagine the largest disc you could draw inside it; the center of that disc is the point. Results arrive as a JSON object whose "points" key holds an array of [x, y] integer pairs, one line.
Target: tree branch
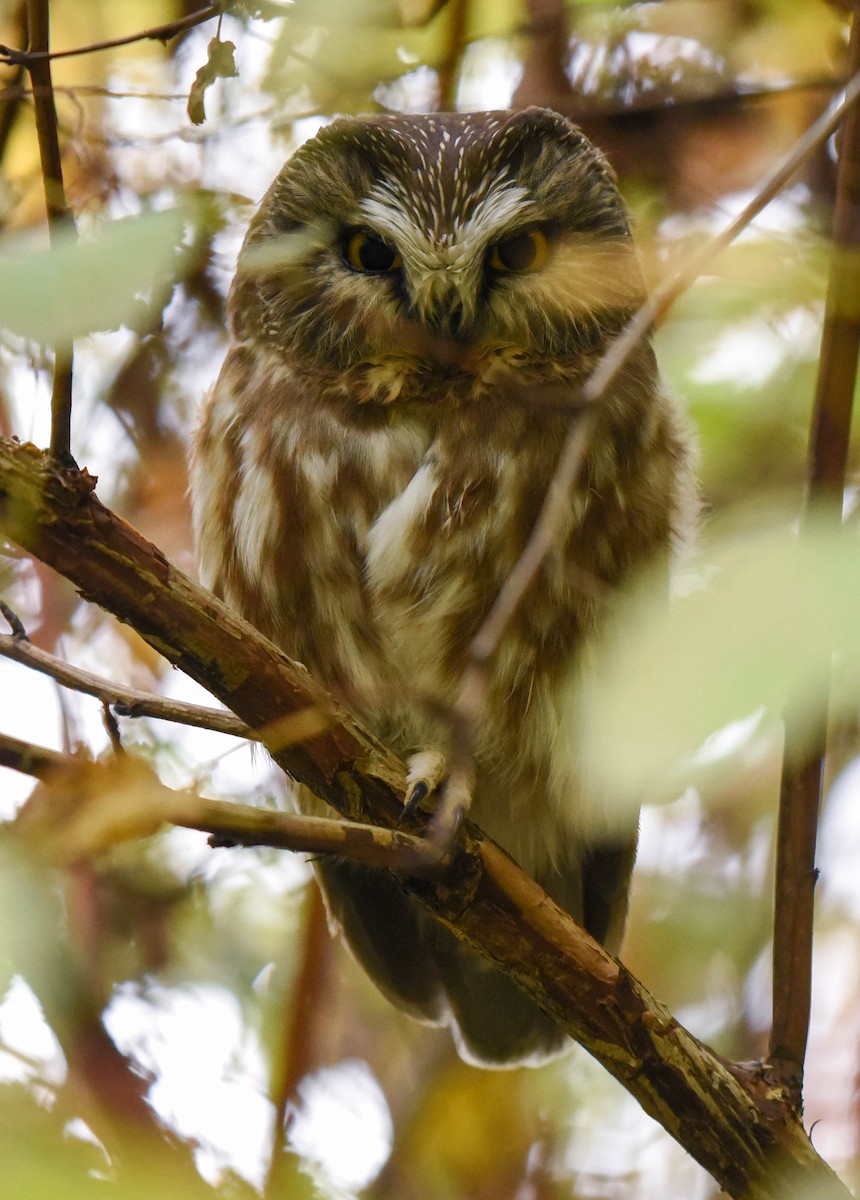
{"points": [[805, 748], [59, 216], [158, 33], [30, 759], [129, 702], [95, 804], [728, 1117]]}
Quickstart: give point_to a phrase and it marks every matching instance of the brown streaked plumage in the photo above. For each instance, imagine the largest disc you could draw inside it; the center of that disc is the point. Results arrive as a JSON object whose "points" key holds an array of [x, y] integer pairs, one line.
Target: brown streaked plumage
{"points": [[417, 303]]}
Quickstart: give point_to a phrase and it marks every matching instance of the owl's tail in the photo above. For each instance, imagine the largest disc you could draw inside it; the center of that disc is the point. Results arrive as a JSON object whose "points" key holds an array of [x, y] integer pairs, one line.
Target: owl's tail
{"points": [[422, 968]]}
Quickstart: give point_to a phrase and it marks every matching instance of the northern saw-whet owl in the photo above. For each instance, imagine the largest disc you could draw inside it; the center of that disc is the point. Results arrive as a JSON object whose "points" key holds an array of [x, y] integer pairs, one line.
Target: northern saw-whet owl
{"points": [[417, 304]]}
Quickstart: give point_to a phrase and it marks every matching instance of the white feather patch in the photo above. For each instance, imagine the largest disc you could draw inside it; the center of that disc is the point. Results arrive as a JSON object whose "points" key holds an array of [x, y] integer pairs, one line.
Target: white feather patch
{"points": [[256, 516], [387, 538]]}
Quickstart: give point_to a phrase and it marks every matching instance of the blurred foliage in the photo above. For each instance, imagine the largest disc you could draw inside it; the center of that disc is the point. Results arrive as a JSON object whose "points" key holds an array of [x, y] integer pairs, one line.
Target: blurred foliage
{"points": [[37, 283], [171, 1020], [758, 627]]}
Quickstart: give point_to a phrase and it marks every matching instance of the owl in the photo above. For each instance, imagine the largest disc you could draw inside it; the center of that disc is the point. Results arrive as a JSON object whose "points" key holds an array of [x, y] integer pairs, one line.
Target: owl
{"points": [[417, 304]]}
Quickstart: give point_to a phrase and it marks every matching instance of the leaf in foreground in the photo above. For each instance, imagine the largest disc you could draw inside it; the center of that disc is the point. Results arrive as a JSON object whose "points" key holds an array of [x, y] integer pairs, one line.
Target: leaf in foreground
{"points": [[760, 624]]}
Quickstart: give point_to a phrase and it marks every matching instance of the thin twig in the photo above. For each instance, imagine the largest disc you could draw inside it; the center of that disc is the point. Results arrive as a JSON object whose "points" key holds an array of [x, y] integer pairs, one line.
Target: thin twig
{"points": [[801, 787], [10, 111], [59, 217], [31, 760], [456, 42], [129, 702], [111, 726], [19, 633], [245, 825], [805, 747], [159, 33], [619, 352], [93, 819], [15, 91], [486, 641]]}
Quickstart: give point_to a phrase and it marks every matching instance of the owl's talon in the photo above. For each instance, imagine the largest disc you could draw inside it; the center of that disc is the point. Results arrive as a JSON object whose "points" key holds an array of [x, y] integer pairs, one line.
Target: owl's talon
{"points": [[427, 771], [449, 790], [454, 803], [415, 797]]}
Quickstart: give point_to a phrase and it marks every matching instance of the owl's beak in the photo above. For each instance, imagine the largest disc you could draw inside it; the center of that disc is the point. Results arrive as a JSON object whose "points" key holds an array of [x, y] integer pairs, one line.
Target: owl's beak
{"points": [[443, 301], [449, 322]]}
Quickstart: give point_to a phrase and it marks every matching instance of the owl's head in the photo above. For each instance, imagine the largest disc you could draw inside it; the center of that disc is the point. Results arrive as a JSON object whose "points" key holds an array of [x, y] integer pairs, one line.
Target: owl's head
{"points": [[440, 241]]}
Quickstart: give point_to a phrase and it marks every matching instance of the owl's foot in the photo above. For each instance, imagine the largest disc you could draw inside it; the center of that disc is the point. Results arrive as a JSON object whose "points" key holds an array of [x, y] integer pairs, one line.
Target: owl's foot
{"points": [[449, 790], [427, 771]]}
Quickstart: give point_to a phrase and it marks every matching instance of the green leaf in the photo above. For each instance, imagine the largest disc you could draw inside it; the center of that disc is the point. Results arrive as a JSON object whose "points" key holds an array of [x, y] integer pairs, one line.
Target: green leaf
{"points": [[77, 287], [759, 625]]}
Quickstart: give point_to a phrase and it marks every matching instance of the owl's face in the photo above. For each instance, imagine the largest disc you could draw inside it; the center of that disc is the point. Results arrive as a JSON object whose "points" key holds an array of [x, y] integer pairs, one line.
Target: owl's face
{"points": [[441, 242]]}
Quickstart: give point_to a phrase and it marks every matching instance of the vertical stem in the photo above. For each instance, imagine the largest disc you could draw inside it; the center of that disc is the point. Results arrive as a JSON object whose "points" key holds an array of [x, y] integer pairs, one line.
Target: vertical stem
{"points": [[58, 214], [803, 761], [14, 87], [302, 1036], [544, 80], [449, 70]]}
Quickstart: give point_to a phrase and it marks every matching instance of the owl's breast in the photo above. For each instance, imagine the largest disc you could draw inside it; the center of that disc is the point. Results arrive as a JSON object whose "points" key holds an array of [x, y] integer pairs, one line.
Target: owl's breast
{"points": [[437, 555], [369, 541]]}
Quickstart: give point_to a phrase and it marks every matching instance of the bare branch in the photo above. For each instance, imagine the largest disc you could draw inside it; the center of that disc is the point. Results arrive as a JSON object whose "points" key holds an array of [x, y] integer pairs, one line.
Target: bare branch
{"points": [[449, 67], [159, 33], [129, 702], [59, 216], [242, 824], [12, 93], [92, 805], [805, 748], [555, 506], [728, 1117], [73, 91], [19, 633], [30, 759]]}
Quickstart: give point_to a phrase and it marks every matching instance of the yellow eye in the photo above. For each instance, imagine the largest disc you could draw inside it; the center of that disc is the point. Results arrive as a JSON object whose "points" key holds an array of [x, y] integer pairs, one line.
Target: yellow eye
{"points": [[365, 252], [521, 254]]}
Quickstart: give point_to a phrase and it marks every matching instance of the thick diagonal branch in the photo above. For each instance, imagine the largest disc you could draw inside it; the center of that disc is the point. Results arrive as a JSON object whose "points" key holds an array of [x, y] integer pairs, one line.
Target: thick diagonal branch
{"points": [[728, 1118]]}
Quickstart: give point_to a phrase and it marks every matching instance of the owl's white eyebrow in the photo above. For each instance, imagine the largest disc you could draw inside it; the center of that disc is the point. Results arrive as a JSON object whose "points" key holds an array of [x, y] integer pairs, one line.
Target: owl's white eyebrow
{"points": [[420, 233]]}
